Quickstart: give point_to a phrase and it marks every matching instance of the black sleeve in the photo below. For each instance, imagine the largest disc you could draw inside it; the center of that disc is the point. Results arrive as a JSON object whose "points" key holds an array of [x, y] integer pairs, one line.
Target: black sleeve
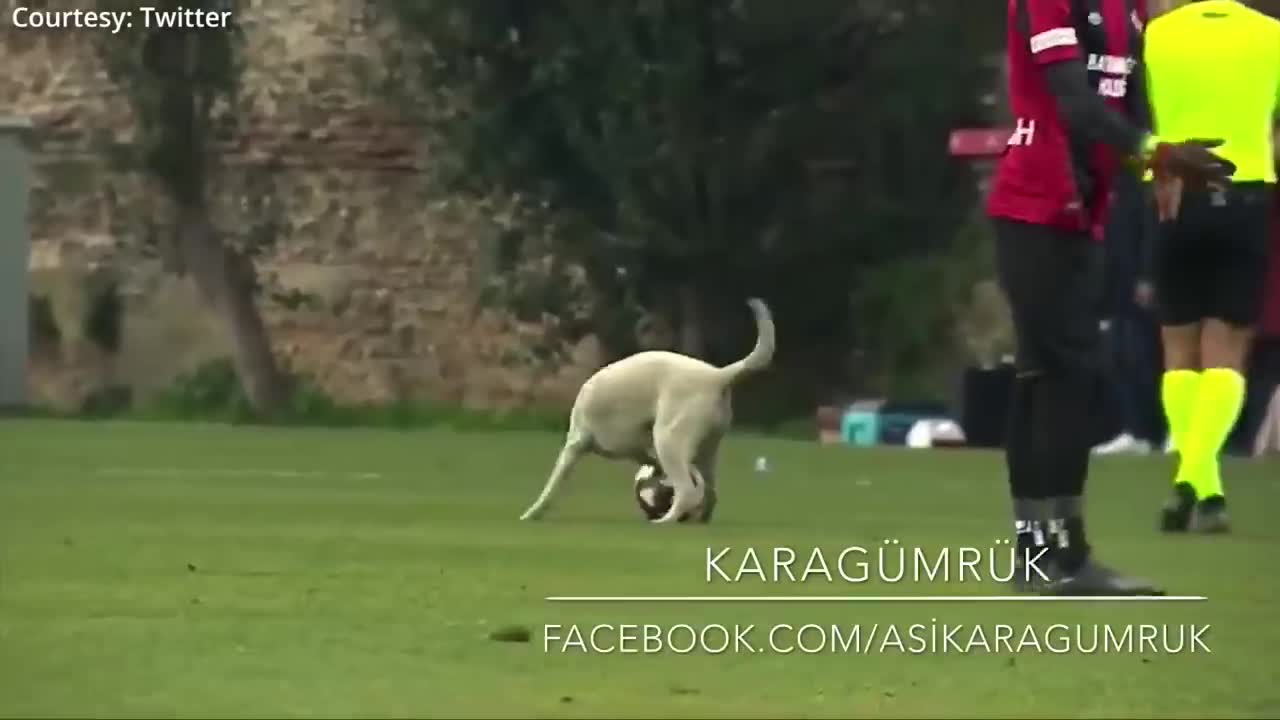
{"points": [[1085, 114], [1136, 99]]}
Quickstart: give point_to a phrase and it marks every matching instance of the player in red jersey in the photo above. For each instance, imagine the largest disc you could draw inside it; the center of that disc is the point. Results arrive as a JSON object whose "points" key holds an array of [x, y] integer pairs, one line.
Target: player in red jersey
{"points": [[1075, 89]]}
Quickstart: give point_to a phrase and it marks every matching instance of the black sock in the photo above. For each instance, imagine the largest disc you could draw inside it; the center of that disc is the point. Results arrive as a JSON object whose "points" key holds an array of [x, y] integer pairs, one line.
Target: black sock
{"points": [[1026, 485], [1061, 422], [1067, 542], [1030, 538]]}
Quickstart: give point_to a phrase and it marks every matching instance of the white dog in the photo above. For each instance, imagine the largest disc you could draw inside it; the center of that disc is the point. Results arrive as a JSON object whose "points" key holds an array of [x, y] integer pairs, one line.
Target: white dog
{"points": [[660, 408]]}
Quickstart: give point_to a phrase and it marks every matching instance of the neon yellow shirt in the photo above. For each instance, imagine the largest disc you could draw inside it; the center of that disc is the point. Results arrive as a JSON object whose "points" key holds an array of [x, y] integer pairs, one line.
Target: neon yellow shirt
{"points": [[1213, 71]]}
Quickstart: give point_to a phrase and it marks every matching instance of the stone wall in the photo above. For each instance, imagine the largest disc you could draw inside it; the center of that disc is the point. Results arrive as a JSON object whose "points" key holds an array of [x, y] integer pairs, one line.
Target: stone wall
{"points": [[374, 279]]}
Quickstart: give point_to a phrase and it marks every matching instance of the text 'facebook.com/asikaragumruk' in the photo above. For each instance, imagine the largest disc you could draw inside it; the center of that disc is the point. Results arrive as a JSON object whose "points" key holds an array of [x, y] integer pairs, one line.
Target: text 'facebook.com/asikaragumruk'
{"points": [[931, 638]]}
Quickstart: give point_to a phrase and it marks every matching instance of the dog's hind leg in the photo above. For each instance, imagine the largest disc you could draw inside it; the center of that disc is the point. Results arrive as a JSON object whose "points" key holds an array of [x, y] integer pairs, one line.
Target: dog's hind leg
{"points": [[575, 446], [705, 463], [676, 445]]}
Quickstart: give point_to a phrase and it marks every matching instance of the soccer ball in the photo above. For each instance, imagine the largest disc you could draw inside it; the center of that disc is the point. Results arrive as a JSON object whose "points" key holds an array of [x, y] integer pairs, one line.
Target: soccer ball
{"points": [[654, 493], [933, 433]]}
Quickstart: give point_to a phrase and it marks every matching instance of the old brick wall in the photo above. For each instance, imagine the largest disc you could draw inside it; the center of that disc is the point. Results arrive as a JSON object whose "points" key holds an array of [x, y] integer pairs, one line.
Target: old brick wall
{"points": [[373, 282]]}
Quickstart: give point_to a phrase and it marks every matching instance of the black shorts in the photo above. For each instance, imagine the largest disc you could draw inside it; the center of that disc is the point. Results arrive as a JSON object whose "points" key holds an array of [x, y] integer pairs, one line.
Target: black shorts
{"points": [[1053, 281], [1212, 261]]}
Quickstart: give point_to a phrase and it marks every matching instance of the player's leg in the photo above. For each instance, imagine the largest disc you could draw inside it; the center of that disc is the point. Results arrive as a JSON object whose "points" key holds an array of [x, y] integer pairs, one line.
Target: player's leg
{"points": [[1020, 253], [1142, 377], [1179, 282], [1257, 394], [1066, 399], [1118, 408], [1149, 376], [1179, 391], [1264, 380], [1236, 275], [1181, 379], [1027, 493], [1069, 391], [1217, 407], [1127, 384]]}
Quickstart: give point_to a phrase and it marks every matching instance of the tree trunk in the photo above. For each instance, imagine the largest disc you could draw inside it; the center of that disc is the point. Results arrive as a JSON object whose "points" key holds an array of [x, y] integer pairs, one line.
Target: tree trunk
{"points": [[611, 323], [692, 321], [666, 305], [226, 280]]}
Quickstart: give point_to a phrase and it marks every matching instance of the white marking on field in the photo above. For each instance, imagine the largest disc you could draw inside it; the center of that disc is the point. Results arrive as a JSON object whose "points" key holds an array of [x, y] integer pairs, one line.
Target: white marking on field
{"points": [[235, 472]]}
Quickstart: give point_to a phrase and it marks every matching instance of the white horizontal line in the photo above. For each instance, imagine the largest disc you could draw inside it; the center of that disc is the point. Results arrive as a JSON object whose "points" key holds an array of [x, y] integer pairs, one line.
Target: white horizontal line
{"points": [[236, 472], [867, 598]]}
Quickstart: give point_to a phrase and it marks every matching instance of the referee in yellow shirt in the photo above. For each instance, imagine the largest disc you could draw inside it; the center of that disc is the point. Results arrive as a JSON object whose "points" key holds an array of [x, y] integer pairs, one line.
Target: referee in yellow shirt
{"points": [[1213, 70]]}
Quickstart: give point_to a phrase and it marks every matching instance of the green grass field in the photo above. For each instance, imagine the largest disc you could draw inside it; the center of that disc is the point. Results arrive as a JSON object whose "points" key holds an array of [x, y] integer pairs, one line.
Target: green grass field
{"points": [[188, 570]]}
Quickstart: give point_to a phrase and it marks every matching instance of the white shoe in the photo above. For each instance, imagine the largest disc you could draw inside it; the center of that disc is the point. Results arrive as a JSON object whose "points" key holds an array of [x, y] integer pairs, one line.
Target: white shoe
{"points": [[1123, 443]]}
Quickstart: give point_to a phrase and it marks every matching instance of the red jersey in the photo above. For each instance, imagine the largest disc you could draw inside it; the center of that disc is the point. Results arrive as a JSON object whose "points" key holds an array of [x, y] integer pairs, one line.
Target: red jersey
{"points": [[1043, 177]]}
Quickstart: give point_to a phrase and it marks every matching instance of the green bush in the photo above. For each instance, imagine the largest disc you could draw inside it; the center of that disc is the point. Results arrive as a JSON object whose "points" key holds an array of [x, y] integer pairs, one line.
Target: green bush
{"points": [[212, 392], [107, 402]]}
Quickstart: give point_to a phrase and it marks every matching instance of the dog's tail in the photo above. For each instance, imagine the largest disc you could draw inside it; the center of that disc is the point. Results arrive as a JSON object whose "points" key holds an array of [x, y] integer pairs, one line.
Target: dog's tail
{"points": [[762, 354]]}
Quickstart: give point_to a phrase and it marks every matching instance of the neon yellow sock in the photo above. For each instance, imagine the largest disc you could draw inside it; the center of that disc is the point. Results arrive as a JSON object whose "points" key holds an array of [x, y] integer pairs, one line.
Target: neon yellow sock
{"points": [[1178, 390], [1213, 414]]}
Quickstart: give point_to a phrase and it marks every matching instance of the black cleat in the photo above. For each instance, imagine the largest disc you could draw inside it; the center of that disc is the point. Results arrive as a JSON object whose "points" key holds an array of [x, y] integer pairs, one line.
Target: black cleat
{"points": [[1094, 580], [1176, 514], [1211, 516]]}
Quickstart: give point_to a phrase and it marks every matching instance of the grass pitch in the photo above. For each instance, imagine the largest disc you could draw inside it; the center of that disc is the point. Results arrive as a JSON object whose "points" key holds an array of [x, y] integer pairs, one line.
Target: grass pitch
{"points": [[165, 570]]}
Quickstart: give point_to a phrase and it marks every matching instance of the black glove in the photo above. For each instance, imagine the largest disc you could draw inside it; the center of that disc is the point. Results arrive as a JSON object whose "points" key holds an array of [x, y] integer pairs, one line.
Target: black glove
{"points": [[1189, 160], [1187, 164]]}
